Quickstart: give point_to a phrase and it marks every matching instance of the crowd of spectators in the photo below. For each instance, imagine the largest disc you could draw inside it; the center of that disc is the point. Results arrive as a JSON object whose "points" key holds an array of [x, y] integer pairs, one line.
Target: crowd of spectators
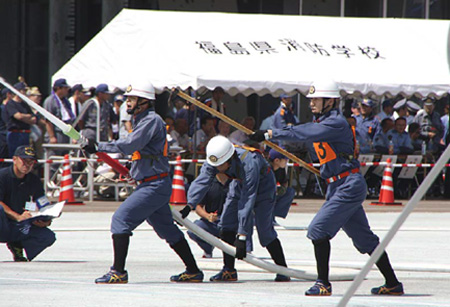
{"points": [[403, 126]]}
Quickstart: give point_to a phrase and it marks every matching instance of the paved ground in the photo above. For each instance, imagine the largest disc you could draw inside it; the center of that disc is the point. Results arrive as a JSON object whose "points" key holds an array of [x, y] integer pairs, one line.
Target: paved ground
{"points": [[63, 275]]}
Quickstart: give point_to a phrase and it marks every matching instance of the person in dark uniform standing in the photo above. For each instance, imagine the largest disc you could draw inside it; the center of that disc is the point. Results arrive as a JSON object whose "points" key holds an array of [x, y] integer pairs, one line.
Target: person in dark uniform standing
{"points": [[334, 143], [150, 201], [209, 210], [17, 187], [20, 117], [251, 191]]}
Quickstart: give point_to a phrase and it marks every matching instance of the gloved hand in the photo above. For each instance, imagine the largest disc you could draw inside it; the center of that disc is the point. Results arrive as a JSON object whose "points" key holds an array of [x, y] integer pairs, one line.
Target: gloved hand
{"points": [[258, 136], [185, 211], [241, 246], [89, 145]]}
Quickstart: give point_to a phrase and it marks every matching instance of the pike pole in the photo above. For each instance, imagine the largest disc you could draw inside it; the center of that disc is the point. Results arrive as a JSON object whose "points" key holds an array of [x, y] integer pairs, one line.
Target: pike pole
{"points": [[65, 128], [246, 130]]}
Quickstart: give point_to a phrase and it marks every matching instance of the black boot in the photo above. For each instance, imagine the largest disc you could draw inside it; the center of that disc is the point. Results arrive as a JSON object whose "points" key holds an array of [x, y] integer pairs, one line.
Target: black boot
{"points": [[229, 237], [184, 251], [276, 252], [120, 245]]}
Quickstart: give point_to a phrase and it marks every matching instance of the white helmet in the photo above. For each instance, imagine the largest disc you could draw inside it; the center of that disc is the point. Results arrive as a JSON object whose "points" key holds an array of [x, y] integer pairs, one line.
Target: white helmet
{"points": [[324, 89], [142, 89], [219, 150]]}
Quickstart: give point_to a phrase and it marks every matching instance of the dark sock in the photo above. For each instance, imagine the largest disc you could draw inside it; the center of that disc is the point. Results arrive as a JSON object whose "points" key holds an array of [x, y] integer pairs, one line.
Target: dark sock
{"points": [[384, 265], [120, 245], [229, 237], [184, 251], [276, 252], [322, 252]]}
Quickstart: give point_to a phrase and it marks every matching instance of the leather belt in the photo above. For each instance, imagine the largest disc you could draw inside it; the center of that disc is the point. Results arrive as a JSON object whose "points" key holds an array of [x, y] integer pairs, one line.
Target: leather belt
{"points": [[342, 175], [162, 175], [21, 131]]}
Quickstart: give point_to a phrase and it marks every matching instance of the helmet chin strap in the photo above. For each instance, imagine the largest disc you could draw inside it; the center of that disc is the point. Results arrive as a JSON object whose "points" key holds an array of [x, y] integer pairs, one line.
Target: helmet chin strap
{"points": [[138, 106], [327, 108]]}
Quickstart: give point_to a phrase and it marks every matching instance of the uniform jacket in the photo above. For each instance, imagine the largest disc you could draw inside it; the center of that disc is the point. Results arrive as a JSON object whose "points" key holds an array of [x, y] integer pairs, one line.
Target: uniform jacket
{"points": [[149, 138], [283, 117], [332, 138], [367, 128]]}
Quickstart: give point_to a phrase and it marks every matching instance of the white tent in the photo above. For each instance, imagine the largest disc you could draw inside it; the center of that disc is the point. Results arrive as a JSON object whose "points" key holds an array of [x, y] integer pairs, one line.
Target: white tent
{"points": [[266, 53]]}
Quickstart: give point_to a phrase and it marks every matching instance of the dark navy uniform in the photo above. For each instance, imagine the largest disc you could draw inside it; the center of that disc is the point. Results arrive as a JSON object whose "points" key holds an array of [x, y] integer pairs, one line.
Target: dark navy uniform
{"points": [[14, 192], [18, 131], [253, 189], [150, 201], [283, 117], [333, 141], [213, 203], [367, 129]]}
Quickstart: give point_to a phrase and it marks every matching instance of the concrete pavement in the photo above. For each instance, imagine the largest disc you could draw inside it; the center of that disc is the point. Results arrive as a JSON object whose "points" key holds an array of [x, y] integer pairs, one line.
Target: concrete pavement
{"points": [[64, 274]]}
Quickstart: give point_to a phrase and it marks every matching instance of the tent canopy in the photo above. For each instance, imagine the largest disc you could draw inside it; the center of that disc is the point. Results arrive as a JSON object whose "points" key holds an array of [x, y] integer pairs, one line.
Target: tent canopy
{"points": [[264, 54]]}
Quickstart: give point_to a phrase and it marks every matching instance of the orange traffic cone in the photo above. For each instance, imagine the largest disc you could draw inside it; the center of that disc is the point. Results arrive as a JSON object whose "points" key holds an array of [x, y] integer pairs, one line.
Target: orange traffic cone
{"points": [[178, 196], [66, 190], [387, 188]]}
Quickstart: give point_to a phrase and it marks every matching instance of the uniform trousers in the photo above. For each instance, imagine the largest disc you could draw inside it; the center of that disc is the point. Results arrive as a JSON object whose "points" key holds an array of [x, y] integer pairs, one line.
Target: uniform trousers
{"points": [[149, 202], [343, 209]]}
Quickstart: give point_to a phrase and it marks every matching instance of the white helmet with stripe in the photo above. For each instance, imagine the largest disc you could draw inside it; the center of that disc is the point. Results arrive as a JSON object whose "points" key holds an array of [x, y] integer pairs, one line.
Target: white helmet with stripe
{"points": [[324, 89], [219, 150], [142, 89]]}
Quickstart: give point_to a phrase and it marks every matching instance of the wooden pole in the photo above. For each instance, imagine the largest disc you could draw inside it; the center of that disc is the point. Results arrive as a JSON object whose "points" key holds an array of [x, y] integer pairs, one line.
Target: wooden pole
{"points": [[246, 130]]}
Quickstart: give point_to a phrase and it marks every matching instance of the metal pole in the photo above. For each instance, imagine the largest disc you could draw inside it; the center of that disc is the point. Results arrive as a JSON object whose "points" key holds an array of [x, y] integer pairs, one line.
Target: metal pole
{"points": [[342, 8], [427, 9], [435, 171], [385, 8]]}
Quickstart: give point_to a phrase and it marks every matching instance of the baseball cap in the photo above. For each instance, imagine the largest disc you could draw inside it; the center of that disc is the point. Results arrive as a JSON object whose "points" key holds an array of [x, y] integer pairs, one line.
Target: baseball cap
{"points": [[61, 83], [368, 102], [102, 88], [77, 87], [273, 154], [355, 104], [25, 152], [5, 91], [20, 86]]}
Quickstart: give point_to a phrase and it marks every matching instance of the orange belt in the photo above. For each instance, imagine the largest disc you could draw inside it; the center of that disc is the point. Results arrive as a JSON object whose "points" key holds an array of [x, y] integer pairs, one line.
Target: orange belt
{"points": [[162, 175], [342, 175], [21, 131]]}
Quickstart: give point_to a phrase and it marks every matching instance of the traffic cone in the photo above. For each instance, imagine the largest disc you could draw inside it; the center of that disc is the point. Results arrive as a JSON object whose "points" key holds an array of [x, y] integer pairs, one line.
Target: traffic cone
{"points": [[387, 188], [66, 191], [178, 196]]}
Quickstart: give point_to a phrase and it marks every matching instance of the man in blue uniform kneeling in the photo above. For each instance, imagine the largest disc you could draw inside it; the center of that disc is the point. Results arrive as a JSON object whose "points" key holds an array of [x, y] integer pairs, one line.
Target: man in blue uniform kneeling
{"points": [[252, 190], [150, 201], [334, 143]]}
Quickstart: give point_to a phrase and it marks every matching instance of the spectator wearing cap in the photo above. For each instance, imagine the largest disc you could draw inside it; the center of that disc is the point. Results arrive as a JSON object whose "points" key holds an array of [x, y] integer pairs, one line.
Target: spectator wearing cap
{"points": [[401, 110], [20, 117], [58, 104], [18, 186], [431, 129], [284, 115], [107, 116], [387, 111], [367, 125]]}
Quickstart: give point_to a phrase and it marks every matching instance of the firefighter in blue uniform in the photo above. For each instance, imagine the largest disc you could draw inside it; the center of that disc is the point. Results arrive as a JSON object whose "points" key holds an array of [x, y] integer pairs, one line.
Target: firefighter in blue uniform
{"points": [[150, 201], [367, 125], [252, 190], [284, 115], [334, 143]]}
